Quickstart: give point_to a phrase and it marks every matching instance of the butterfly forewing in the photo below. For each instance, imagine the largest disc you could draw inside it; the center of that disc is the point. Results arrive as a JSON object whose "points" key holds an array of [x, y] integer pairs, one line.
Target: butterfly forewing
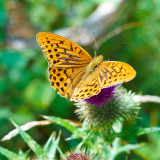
{"points": [[113, 72], [61, 52]]}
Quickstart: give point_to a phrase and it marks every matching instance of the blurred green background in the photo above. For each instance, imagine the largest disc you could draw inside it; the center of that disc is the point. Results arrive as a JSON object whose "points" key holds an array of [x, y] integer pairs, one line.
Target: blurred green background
{"points": [[25, 91]]}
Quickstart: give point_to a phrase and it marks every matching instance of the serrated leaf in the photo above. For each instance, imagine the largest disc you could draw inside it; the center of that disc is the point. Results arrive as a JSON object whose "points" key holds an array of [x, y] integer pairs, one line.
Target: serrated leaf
{"points": [[34, 146], [62, 122], [125, 148], [128, 147], [138, 132], [8, 154], [147, 130]]}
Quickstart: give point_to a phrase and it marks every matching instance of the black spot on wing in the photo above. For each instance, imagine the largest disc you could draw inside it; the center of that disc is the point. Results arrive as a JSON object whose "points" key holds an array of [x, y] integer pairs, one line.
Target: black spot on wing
{"points": [[71, 48]]}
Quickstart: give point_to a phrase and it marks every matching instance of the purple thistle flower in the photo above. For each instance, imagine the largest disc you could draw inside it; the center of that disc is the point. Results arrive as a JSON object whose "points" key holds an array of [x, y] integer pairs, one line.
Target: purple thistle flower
{"points": [[102, 97]]}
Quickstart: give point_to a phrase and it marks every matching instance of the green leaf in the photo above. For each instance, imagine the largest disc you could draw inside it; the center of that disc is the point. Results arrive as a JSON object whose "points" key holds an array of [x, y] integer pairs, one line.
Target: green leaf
{"points": [[147, 130], [128, 147], [138, 132], [49, 141], [63, 123], [125, 148], [85, 140], [8, 154], [35, 147], [23, 155], [53, 147]]}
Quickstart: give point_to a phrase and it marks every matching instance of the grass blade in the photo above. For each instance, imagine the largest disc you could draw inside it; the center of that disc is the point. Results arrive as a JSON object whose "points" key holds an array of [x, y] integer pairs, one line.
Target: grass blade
{"points": [[66, 124], [34, 146], [8, 154], [148, 130]]}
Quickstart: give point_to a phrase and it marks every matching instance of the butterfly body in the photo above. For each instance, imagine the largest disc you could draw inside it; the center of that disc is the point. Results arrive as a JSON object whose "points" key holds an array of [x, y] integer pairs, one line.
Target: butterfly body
{"points": [[94, 63], [74, 73]]}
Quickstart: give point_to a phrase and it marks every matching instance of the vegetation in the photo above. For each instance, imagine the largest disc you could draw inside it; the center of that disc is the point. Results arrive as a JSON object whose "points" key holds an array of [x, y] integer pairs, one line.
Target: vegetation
{"points": [[25, 92]]}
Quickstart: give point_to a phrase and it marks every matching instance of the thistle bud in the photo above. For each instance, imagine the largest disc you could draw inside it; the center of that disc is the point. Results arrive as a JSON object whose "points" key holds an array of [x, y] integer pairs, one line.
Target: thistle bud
{"points": [[77, 156], [82, 154]]}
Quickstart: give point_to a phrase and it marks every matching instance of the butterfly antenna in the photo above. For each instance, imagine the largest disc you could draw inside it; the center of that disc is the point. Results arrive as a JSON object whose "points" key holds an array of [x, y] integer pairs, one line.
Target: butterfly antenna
{"points": [[95, 53], [95, 46], [116, 48]]}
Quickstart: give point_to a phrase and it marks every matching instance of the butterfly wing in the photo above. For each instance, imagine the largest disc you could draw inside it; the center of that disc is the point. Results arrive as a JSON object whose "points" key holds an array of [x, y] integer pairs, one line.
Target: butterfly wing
{"points": [[113, 72], [107, 74], [65, 79], [61, 52], [67, 62], [87, 87]]}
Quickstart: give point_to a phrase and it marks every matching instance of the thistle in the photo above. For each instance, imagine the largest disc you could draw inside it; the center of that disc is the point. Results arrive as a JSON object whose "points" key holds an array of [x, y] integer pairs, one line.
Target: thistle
{"points": [[102, 98], [109, 106], [77, 156], [82, 155]]}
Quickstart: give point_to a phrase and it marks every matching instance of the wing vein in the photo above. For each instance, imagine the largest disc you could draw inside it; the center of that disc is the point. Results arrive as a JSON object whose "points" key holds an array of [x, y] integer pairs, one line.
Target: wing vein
{"points": [[104, 73], [108, 71], [71, 59], [69, 54]]}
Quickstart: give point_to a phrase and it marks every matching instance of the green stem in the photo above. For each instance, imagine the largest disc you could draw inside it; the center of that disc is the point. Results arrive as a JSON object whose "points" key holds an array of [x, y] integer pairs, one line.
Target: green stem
{"points": [[116, 143]]}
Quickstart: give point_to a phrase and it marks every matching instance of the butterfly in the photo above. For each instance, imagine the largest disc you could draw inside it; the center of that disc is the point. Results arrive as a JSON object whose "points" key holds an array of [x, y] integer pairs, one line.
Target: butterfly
{"points": [[74, 73]]}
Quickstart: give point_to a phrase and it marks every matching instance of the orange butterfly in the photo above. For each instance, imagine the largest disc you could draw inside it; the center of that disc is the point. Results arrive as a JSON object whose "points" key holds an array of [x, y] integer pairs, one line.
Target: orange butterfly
{"points": [[75, 73]]}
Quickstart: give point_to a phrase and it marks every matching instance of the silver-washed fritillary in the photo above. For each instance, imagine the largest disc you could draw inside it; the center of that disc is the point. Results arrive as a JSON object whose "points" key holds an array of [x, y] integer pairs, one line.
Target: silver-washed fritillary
{"points": [[75, 73]]}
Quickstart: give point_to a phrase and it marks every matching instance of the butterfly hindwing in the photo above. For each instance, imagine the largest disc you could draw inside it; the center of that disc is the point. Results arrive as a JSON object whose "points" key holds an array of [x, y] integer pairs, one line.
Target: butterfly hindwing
{"points": [[87, 87], [61, 52]]}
